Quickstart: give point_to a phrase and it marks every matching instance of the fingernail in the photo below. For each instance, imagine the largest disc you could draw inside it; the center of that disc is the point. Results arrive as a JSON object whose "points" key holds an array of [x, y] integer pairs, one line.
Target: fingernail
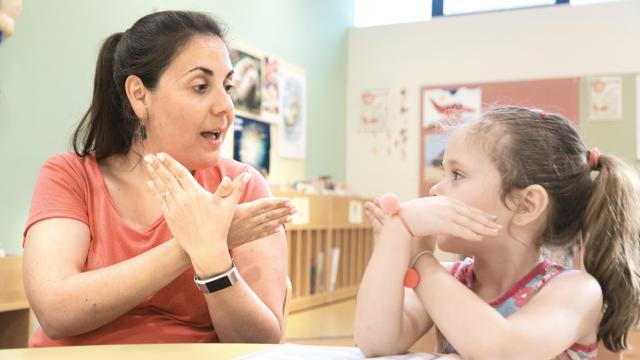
{"points": [[226, 181], [289, 205], [149, 168], [245, 177], [293, 210], [162, 157], [150, 184], [148, 159], [289, 219]]}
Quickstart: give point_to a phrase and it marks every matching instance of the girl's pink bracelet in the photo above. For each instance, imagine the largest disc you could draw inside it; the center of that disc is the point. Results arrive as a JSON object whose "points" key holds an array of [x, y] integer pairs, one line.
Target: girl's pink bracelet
{"points": [[390, 204]]}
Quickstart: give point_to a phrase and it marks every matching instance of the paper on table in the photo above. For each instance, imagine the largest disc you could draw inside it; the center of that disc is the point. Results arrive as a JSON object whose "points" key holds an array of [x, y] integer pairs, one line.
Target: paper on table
{"points": [[311, 352]]}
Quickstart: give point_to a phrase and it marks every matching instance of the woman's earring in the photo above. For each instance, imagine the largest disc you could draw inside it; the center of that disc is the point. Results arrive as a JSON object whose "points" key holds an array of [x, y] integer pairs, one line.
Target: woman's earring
{"points": [[143, 132]]}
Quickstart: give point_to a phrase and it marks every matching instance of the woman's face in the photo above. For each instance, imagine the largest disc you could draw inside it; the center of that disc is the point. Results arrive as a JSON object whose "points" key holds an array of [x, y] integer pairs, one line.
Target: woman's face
{"points": [[190, 109]]}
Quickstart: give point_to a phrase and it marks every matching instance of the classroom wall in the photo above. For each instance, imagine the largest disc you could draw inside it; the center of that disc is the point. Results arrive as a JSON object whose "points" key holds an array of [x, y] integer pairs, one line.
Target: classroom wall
{"points": [[542, 43], [46, 78]]}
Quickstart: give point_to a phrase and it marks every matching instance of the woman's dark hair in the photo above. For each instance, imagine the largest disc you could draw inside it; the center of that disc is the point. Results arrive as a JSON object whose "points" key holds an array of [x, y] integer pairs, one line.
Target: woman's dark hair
{"points": [[596, 203], [109, 127]]}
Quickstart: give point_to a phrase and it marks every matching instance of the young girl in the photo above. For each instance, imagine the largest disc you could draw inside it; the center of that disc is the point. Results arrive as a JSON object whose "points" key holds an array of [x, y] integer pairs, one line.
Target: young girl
{"points": [[516, 179]]}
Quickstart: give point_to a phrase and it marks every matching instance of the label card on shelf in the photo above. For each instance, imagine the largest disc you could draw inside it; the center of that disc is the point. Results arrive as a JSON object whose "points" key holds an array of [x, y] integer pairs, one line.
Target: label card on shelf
{"points": [[301, 217], [355, 212]]}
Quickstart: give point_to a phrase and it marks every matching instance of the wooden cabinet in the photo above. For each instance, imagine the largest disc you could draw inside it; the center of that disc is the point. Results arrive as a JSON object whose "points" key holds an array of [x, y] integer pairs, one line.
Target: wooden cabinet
{"points": [[15, 316]]}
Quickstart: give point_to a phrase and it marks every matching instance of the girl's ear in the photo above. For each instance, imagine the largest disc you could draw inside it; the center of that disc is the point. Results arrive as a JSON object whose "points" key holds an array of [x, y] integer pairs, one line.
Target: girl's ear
{"points": [[534, 201], [138, 96]]}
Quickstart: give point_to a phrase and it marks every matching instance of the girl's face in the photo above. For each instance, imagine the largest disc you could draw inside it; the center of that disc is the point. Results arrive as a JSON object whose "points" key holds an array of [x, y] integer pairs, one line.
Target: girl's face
{"points": [[190, 109], [470, 177]]}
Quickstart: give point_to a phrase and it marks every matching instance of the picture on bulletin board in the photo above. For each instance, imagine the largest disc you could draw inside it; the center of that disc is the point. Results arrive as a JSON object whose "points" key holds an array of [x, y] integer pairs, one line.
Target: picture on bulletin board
{"points": [[292, 132], [373, 110], [252, 143], [434, 146], [449, 106], [551, 95], [271, 92], [605, 97], [247, 94]]}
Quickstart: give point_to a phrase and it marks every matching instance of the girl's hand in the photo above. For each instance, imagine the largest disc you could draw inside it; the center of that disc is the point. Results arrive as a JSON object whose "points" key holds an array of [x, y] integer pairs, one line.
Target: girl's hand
{"points": [[199, 220], [441, 215], [374, 213], [259, 218]]}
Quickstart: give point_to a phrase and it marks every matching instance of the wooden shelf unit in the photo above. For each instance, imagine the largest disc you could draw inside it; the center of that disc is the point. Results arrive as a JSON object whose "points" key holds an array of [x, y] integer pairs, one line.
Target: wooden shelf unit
{"points": [[310, 245], [15, 314]]}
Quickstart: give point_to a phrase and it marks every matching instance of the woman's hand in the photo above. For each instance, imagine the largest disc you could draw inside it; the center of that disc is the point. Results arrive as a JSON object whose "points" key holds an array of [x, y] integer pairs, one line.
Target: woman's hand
{"points": [[259, 218], [441, 215], [199, 220]]}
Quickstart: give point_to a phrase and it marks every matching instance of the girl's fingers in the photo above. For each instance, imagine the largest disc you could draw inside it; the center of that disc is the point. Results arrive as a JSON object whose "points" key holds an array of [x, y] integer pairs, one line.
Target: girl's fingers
{"points": [[182, 175], [474, 226], [375, 210], [464, 232], [478, 216]]}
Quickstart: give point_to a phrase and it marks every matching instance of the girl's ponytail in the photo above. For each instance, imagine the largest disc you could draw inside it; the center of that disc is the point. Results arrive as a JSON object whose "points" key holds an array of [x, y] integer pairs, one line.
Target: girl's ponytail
{"points": [[610, 233]]}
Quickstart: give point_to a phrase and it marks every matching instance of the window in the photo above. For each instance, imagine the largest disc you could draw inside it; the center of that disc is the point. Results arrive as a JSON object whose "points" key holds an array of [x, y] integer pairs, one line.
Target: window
{"points": [[457, 7], [382, 12]]}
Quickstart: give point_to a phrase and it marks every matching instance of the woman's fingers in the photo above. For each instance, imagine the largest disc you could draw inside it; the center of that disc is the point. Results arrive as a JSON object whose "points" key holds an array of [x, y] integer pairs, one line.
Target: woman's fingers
{"points": [[161, 189], [158, 195], [238, 185], [279, 215], [225, 188], [182, 175], [155, 167]]}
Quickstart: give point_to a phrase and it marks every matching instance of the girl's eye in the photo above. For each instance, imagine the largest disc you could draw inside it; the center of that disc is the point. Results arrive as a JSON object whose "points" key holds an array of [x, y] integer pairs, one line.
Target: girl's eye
{"points": [[201, 88], [456, 175], [227, 88]]}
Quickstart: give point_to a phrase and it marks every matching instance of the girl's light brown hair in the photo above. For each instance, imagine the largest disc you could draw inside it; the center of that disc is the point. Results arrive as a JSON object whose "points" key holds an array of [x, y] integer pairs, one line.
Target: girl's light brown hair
{"points": [[599, 206]]}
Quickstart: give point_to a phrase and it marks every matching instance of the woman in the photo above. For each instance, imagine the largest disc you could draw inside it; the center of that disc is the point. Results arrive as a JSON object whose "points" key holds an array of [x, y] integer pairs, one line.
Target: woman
{"points": [[106, 260]]}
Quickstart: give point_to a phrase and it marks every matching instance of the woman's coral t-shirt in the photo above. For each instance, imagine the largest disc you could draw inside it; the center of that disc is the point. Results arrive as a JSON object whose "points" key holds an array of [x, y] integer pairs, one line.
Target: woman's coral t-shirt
{"points": [[70, 186]]}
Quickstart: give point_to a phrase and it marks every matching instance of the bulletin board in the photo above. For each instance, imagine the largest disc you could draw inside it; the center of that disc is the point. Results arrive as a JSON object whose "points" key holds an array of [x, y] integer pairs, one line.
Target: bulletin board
{"points": [[560, 95]]}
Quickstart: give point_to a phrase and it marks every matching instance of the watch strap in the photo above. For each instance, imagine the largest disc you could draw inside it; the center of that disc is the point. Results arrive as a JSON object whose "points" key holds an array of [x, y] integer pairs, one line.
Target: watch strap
{"points": [[218, 282]]}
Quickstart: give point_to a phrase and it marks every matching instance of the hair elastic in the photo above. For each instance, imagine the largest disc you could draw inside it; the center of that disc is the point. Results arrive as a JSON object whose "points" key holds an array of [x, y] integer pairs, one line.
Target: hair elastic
{"points": [[538, 113], [594, 158]]}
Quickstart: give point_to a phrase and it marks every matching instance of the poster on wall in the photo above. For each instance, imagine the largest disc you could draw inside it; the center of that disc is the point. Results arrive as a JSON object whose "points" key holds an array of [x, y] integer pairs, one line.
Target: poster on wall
{"points": [[604, 96], [252, 143], [450, 106], [292, 131], [638, 117], [247, 67], [373, 110], [271, 92]]}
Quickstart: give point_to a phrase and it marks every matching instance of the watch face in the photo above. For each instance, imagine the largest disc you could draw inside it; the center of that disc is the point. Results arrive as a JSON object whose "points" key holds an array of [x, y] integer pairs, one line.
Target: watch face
{"points": [[218, 284]]}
